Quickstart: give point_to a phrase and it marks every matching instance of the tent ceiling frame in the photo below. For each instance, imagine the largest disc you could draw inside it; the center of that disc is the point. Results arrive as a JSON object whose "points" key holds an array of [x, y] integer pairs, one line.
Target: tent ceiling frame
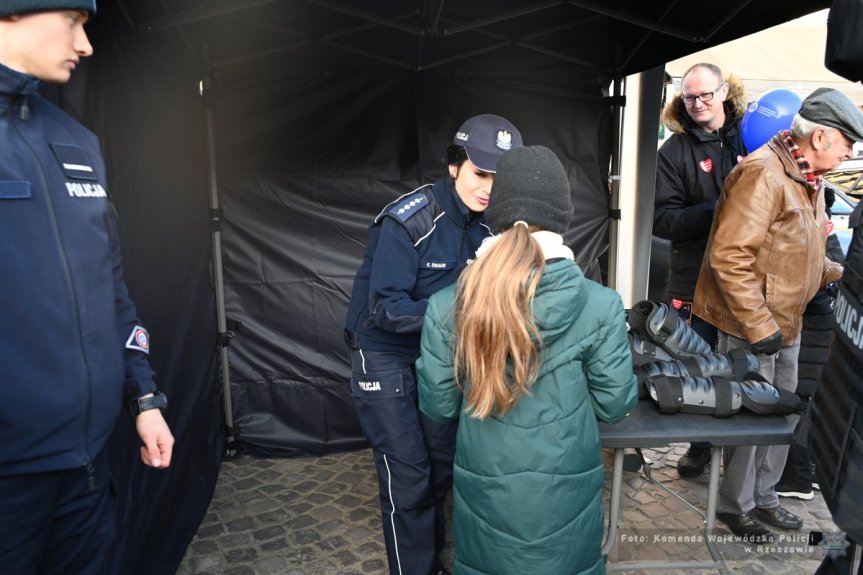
{"points": [[435, 25], [363, 15], [306, 40], [723, 21], [501, 17], [431, 12], [200, 14], [639, 21], [645, 35], [509, 41], [451, 29]]}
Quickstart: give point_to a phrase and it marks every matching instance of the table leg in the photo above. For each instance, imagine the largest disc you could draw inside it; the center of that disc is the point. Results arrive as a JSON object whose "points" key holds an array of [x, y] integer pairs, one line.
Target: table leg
{"points": [[614, 501], [710, 517]]}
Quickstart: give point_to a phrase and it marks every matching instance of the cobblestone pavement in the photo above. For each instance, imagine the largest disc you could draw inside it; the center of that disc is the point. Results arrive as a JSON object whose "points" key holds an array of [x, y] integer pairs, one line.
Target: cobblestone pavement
{"points": [[320, 516]]}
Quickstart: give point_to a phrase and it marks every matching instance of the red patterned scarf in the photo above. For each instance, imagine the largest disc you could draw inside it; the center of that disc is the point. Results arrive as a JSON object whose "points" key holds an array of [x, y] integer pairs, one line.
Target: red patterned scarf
{"points": [[812, 179]]}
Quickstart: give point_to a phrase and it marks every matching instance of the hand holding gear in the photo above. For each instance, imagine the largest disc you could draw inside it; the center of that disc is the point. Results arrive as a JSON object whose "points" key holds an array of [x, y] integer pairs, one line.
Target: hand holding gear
{"points": [[769, 345]]}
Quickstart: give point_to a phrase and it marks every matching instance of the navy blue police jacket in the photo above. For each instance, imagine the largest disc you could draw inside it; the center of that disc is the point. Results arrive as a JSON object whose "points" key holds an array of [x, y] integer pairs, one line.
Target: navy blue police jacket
{"points": [[70, 340], [418, 244]]}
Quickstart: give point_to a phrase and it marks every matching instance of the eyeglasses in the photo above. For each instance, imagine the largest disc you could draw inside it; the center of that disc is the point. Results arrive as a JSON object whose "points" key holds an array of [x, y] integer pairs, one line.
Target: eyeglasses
{"points": [[704, 96]]}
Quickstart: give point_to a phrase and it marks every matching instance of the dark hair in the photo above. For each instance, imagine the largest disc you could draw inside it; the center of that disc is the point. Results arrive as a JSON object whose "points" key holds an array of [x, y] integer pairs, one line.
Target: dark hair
{"points": [[455, 155]]}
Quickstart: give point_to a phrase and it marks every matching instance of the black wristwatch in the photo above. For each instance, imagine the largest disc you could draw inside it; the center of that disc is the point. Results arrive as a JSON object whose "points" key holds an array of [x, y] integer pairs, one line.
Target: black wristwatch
{"points": [[157, 401]]}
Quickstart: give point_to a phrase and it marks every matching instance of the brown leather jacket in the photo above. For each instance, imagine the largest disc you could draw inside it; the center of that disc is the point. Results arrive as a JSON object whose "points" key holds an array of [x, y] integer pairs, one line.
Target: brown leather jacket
{"points": [[765, 257]]}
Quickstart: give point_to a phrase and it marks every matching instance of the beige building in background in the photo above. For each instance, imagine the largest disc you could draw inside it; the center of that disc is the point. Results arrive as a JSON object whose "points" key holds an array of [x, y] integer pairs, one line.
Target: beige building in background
{"points": [[789, 56]]}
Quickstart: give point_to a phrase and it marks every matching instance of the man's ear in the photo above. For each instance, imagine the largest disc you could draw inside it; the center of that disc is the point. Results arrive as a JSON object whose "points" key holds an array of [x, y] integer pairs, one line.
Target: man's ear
{"points": [[818, 139]]}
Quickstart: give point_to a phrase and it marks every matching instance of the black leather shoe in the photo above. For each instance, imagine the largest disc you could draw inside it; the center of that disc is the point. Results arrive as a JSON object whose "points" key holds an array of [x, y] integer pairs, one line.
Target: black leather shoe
{"points": [[692, 464], [779, 517], [747, 526]]}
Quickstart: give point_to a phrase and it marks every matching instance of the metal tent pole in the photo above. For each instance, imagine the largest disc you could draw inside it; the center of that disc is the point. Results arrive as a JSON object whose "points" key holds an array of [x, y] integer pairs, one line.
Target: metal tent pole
{"points": [[618, 103], [208, 91]]}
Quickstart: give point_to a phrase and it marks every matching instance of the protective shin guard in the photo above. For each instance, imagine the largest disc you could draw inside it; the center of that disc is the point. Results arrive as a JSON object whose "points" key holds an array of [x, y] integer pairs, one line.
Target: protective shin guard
{"points": [[645, 351], [762, 398], [736, 365], [664, 327], [710, 396]]}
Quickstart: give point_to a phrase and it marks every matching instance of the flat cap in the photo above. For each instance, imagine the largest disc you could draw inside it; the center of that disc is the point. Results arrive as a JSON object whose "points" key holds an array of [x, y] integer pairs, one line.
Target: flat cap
{"points": [[834, 109]]}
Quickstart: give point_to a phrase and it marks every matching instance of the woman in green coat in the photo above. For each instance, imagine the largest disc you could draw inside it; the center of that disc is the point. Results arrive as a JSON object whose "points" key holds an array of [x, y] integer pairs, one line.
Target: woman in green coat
{"points": [[529, 354]]}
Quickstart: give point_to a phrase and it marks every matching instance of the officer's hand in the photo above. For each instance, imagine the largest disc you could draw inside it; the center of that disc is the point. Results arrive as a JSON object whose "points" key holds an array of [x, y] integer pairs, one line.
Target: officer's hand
{"points": [[769, 345], [156, 437]]}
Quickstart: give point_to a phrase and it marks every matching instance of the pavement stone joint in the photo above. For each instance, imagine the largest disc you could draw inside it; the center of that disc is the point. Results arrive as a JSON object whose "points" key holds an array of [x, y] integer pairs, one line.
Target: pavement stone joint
{"points": [[320, 516]]}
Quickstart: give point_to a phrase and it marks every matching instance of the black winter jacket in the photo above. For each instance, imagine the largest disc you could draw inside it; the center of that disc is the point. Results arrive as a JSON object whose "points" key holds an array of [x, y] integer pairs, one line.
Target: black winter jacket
{"points": [[691, 168]]}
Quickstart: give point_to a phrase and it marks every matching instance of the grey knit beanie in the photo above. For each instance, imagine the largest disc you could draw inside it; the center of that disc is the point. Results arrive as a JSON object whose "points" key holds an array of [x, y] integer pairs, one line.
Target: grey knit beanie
{"points": [[9, 7], [530, 186]]}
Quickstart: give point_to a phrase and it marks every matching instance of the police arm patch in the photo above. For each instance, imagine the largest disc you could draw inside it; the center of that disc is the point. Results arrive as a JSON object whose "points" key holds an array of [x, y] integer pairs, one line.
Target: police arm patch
{"points": [[139, 340]]}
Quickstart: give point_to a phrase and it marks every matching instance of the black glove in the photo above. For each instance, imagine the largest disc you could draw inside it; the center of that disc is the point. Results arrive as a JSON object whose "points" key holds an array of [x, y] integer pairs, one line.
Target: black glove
{"points": [[769, 345]]}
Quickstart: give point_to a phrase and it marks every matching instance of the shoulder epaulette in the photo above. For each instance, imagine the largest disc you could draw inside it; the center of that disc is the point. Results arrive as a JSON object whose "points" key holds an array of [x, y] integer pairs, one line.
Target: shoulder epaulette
{"points": [[407, 207]]}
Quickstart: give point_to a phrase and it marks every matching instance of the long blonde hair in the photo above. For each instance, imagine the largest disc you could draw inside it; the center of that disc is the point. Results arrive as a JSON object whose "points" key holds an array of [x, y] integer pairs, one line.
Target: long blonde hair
{"points": [[497, 344]]}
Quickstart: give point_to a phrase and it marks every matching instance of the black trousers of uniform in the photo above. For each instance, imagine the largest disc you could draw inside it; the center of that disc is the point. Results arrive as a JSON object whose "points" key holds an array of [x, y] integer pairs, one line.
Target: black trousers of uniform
{"points": [[58, 522], [413, 456]]}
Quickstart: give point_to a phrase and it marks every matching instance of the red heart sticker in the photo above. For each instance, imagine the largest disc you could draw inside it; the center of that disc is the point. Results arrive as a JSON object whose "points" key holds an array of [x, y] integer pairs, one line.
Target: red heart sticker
{"points": [[706, 165]]}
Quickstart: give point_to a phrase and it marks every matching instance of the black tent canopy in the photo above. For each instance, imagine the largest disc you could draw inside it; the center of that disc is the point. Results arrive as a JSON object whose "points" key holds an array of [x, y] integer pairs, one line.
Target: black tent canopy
{"points": [[250, 142]]}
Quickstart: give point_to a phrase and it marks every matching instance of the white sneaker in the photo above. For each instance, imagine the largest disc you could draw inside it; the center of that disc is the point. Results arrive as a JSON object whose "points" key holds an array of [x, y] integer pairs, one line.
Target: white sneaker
{"points": [[797, 495]]}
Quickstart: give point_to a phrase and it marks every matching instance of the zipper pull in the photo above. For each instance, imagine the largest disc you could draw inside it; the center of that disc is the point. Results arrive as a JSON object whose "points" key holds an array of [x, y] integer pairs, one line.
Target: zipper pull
{"points": [[91, 476], [25, 110]]}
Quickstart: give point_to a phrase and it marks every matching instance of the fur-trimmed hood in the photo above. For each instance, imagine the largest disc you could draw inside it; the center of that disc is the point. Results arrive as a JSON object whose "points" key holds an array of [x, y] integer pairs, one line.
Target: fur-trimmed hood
{"points": [[674, 114]]}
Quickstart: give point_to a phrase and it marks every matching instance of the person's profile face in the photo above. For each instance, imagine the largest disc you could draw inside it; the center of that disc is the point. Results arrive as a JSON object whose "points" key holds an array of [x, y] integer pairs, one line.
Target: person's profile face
{"points": [[833, 147], [472, 185], [49, 45]]}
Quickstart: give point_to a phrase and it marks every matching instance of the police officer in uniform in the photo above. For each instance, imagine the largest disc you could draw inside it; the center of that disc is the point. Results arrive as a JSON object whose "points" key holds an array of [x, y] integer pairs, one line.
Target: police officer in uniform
{"points": [[836, 410], [417, 245], [72, 348]]}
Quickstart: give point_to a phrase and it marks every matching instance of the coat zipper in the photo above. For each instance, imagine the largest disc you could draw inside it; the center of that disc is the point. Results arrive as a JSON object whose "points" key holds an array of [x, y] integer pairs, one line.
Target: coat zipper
{"points": [[70, 285]]}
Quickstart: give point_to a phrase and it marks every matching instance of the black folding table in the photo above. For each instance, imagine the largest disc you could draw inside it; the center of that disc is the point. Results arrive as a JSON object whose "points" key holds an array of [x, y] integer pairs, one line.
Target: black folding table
{"points": [[646, 427]]}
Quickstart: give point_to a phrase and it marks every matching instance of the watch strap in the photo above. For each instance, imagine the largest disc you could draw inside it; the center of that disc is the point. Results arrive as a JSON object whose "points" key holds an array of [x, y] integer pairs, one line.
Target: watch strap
{"points": [[156, 401]]}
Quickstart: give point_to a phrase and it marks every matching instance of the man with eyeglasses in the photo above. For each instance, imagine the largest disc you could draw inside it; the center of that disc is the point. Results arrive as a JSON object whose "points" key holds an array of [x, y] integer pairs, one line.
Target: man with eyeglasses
{"points": [[765, 260], [691, 167]]}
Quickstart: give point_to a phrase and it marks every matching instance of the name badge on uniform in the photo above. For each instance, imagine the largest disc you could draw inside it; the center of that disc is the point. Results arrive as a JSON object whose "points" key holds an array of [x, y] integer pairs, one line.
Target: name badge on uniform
{"points": [[74, 161], [437, 265]]}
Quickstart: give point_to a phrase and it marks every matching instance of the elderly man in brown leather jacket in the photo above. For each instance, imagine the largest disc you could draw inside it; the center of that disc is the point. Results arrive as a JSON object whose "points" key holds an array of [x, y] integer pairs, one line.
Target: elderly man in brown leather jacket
{"points": [[764, 262]]}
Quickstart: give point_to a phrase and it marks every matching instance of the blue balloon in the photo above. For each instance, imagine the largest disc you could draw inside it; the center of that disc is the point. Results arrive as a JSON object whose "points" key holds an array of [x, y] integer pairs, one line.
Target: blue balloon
{"points": [[769, 113]]}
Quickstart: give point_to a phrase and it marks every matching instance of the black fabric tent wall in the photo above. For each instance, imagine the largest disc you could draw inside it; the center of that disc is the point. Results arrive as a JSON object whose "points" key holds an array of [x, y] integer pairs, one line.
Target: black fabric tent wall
{"points": [[345, 146], [323, 111]]}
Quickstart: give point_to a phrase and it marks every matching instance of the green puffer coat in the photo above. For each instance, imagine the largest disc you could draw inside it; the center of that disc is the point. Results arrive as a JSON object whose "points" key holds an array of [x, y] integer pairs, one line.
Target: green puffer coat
{"points": [[528, 485]]}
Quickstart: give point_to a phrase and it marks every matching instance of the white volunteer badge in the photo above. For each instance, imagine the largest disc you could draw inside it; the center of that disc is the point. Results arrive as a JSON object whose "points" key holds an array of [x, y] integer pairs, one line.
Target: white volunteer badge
{"points": [[139, 340]]}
